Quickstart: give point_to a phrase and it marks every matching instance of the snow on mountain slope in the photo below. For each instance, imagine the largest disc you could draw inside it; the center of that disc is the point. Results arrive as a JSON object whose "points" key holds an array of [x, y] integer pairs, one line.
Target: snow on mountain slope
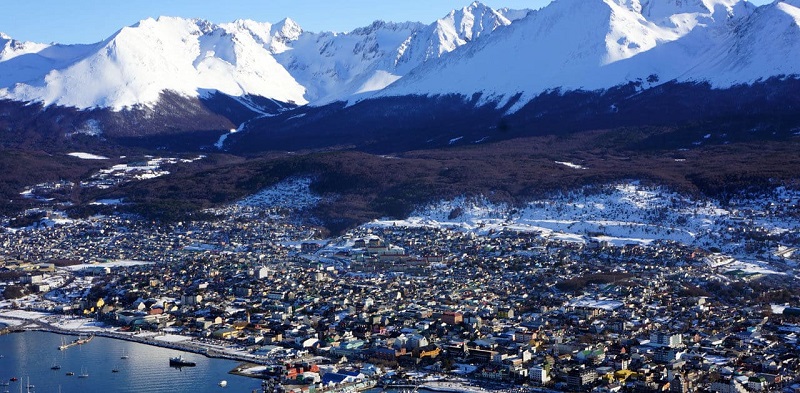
{"points": [[195, 57], [560, 46], [10, 48], [27, 62], [567, 45], [135, 65], [512, 14], [456, 29], [273, 37], [336, 66], [766, 44], [712, 23], [597, 44]]}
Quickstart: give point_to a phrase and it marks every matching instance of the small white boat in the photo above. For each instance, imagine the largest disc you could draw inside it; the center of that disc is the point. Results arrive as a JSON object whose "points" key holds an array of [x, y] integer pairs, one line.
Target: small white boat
{"points": [[223, 383]]}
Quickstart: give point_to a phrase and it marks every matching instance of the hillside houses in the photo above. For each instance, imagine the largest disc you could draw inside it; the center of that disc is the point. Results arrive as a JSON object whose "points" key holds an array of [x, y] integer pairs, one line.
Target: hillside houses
{"points": [[504, 306]]}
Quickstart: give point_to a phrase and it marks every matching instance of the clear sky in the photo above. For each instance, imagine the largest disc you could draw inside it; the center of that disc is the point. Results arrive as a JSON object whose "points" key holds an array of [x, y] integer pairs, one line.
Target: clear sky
{"points": [[88, 21]]}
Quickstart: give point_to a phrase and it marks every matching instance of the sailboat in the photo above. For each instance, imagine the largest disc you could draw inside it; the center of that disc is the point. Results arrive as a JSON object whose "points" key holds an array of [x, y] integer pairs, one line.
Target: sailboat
{"points": [[84, 373], [124, 355]]}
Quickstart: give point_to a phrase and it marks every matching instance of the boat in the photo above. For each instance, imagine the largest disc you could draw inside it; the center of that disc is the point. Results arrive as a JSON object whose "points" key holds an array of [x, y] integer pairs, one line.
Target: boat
{"points": [[84, 373], [223, 383], [179, 361], [70, 373], [114, 370], [13, 379], [55, 366]]}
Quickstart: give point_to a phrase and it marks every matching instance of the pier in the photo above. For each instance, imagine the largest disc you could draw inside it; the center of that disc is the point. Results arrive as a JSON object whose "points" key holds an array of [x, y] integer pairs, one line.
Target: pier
{"points": [[77, 341]]}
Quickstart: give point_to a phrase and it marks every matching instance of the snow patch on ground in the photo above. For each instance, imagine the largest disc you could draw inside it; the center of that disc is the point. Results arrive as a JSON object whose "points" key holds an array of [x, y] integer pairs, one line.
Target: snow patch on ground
{"points": [[91, 127], [293, 193], [454, 140], [107, 202], [571, 165], [87, 156], [221, 141], [114, 264], [622, 214]]}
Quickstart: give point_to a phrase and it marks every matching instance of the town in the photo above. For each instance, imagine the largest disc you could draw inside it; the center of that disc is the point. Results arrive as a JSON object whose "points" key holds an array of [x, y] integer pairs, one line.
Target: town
{"points": [[408, 306]]}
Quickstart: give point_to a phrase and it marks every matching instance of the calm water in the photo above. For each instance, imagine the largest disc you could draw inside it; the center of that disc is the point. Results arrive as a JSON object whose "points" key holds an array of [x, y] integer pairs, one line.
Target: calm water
{"points": [[32, 354]]}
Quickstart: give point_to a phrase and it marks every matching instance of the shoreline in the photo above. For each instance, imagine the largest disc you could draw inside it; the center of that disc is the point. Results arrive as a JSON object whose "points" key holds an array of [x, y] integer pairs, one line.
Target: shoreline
{"points": [[182, 345], [34, 323]]}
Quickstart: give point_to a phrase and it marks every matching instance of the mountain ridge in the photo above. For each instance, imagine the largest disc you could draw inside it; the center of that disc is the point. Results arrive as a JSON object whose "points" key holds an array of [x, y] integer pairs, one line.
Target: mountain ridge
{"points": [[570, 65], [136, 64]]}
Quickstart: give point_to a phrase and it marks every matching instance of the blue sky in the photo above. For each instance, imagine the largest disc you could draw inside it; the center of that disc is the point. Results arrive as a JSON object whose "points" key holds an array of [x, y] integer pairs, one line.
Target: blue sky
{"points": [[88, 21]]}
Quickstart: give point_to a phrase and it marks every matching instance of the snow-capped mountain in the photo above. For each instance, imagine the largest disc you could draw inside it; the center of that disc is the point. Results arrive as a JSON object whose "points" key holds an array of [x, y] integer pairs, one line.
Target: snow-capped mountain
{"points": [[193, 57], [187, 75], [138, 63], [597, 44], [335, 66], [10, 48]]}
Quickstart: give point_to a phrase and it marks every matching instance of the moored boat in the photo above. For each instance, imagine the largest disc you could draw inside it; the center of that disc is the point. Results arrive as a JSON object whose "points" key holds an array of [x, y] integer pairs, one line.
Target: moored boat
{"points": [[179, 361]]}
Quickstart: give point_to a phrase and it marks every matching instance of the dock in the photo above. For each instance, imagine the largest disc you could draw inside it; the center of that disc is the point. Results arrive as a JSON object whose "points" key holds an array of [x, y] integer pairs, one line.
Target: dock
{"points": [[77, 341]]}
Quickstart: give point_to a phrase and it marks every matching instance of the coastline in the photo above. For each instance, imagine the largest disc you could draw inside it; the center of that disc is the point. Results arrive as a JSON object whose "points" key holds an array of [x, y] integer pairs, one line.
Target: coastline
{"points": [[21, 321], [34, 322]]}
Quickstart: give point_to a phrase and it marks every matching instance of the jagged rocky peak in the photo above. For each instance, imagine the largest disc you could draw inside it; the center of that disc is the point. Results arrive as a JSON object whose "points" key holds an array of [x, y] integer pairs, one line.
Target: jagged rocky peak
{"points": [[286, 30], [474, 20]]}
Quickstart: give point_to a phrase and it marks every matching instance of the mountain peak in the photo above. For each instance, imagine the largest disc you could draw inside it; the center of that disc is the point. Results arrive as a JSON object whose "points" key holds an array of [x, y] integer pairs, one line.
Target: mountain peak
{"points": [[469, 23], [286, 30], [475, 5]]}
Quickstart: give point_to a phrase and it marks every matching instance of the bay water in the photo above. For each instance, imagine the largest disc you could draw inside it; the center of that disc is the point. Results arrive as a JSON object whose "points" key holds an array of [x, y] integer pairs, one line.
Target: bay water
{"points": [[32, 355]]}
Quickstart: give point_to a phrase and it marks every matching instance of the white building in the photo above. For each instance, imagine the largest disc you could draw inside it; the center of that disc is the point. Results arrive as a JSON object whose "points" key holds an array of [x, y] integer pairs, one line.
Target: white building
{"points": [[539, 374], [666, 340]]}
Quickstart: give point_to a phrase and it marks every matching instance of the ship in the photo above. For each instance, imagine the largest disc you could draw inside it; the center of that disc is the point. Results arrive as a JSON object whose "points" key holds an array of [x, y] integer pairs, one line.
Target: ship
{"points": [[179, 361]]}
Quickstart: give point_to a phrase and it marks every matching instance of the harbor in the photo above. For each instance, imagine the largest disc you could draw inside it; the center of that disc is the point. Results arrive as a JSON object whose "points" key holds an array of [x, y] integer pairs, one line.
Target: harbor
{"points": [[32, 354]]}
